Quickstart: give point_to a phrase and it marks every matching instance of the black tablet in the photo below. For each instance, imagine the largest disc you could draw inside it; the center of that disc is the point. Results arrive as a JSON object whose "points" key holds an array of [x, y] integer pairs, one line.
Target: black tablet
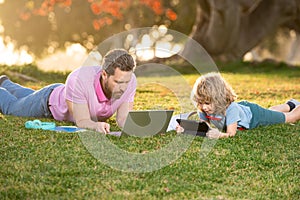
{"points": [[193, 127]]}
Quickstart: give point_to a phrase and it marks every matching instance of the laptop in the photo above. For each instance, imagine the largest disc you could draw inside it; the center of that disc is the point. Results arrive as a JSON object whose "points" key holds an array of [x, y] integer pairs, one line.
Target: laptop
{"points": [[146, 123], [193, 127]]}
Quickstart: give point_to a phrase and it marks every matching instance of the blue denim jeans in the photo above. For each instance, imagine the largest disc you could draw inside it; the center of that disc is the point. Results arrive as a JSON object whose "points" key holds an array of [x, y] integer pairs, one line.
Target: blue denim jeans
{"points": [[24, 102]]}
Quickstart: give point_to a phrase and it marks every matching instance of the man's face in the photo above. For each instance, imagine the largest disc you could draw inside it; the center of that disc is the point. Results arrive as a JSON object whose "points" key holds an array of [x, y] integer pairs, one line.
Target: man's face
{"points": [[115, 85]]}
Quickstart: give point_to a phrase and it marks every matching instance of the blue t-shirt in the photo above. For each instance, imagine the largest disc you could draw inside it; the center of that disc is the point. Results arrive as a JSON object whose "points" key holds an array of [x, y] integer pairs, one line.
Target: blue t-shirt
{"points": [[234, 113]]}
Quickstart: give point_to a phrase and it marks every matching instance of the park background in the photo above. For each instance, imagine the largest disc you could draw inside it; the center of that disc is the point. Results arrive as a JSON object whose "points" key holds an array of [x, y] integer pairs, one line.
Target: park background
{"points": [[255, 45], [58, 34]]}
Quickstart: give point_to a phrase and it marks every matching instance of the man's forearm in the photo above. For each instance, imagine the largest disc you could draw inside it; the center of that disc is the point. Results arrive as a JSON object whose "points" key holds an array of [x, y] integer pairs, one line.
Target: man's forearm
{"points": [[87, 123], [121, 121]]}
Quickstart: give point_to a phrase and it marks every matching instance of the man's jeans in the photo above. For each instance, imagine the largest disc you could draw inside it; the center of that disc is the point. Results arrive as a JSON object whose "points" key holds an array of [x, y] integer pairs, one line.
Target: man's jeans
{"points": [[24, 102]]}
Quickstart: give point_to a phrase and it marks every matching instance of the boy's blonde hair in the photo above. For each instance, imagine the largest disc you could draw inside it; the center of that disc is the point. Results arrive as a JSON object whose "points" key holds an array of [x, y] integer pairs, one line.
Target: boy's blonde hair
{"points": [[212, 88]]}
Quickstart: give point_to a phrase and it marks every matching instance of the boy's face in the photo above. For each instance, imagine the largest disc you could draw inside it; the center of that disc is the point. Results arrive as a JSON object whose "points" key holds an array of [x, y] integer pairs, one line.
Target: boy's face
{"points": [[208, 108]]}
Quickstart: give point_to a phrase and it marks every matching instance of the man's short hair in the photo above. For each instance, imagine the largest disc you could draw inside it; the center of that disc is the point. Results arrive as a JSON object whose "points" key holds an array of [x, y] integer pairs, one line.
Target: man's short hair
{"points": [[118, 58]]}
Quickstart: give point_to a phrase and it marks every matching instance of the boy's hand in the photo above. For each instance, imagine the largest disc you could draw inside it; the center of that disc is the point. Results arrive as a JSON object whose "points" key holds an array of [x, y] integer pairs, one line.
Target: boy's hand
{"points": [[179, 129], [213, 133]]}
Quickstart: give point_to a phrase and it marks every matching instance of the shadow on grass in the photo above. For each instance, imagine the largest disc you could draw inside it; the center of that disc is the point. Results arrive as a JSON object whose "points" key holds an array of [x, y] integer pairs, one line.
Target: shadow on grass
{"points": [[183, 68], [268, 67], [244, 68], [32, 74], [146, 91]]}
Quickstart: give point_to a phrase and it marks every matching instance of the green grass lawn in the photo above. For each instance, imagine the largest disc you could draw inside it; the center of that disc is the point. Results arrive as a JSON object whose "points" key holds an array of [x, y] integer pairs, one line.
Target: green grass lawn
{"points": [[258, 164]]}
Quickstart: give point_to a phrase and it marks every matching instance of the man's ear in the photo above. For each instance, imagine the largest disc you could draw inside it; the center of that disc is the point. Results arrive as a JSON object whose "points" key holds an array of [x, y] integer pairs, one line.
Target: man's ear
{"points": [[104, 75]]}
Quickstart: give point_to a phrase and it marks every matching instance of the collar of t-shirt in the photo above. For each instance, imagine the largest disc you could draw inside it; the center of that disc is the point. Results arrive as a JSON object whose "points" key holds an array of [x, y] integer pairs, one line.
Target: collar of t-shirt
{"points": [[99, 91], [213, 117]]}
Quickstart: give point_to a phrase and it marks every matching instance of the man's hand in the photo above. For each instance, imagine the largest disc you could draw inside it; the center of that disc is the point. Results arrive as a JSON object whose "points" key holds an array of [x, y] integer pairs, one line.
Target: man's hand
{"points": [[81, 115], [103, 127]]}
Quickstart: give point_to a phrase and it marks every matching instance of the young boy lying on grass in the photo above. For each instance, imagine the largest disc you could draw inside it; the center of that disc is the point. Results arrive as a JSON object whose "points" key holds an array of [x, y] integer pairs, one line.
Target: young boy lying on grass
{"points": [[215, 100]]}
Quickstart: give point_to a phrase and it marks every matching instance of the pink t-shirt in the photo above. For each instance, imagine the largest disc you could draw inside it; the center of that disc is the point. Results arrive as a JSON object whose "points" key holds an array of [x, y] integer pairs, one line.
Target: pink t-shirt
{"points": [[83, 87]]}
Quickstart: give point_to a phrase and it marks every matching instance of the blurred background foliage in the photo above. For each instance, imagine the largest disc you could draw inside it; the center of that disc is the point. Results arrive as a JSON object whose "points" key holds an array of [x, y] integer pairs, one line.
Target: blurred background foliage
{"points": [[227, 30]]}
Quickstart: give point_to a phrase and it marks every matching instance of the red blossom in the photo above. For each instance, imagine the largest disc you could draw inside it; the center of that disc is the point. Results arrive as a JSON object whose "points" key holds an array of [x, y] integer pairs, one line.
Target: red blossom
{"points": [[40, 12], [171, 14], [96, 25], [106, 10], [95, 8], [99, 23], [25, 16], [67, 3], [155, 5]]}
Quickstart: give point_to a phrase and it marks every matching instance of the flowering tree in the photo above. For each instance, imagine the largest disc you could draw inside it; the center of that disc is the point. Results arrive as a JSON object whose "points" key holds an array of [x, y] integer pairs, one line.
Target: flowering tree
{"points": [[51, 23], [226, 29], [106, 11]]}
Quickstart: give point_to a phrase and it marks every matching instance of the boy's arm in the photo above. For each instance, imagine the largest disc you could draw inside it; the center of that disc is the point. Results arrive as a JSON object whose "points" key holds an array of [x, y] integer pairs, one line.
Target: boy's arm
{"points": [[231, 130], [215, 133]]}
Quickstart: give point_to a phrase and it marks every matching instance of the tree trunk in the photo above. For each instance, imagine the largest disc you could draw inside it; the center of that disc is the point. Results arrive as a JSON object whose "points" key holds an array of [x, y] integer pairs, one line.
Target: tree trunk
{"points": [[295, 47], [229, 29]]}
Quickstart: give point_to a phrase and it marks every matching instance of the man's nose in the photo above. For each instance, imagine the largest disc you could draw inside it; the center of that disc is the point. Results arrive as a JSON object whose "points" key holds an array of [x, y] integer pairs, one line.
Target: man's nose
{"points": [[122, 87]]}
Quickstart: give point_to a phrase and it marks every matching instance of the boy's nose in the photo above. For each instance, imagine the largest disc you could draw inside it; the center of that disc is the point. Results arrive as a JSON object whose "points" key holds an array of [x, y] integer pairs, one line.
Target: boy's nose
{"points": [[204, 107]]}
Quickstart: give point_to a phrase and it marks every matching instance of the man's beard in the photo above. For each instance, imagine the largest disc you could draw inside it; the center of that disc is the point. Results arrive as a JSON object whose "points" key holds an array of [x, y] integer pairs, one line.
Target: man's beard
{"points": [[111, 94], [117, 95], [108, 93]]}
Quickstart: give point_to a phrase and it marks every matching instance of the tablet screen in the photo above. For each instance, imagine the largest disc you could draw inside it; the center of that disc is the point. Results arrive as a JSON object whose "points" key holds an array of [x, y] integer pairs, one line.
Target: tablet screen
{"points": [[198, 127]]}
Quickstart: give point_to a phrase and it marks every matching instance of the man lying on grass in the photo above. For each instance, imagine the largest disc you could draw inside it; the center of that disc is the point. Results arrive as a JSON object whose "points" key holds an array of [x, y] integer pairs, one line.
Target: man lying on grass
{"points": [[215, 100], [89, 96]]}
